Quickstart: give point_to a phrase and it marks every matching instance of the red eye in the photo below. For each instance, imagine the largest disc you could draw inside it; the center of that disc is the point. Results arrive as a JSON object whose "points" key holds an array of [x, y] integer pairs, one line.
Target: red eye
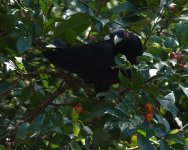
{"points": [[126, 34]]}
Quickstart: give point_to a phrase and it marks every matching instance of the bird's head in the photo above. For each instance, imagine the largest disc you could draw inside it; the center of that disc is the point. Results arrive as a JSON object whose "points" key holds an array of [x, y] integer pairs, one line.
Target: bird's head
{"points": [[127, 44], [118, 35]]}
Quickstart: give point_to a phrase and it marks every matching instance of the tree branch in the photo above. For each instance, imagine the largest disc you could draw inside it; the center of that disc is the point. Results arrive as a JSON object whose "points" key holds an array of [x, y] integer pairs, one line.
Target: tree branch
{"points": [[63, 86]]}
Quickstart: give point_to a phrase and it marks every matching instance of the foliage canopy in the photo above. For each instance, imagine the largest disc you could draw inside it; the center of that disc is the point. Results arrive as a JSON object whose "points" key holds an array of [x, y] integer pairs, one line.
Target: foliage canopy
{"points": [[37, 100]]}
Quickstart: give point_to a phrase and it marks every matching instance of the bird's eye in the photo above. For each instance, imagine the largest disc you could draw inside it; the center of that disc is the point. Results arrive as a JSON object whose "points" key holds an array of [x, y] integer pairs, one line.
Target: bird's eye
{"points": [[126, 34]]}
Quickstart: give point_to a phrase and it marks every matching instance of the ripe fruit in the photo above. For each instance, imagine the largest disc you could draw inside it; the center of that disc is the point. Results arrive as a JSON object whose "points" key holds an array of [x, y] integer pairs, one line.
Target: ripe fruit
{"points": [[181, 65], [78, 108], [173, 55], [149, 108], [172, 7], [148, 117], [180, 59]]}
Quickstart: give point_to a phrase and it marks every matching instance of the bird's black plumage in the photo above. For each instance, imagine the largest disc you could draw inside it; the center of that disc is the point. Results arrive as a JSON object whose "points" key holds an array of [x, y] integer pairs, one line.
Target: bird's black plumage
{"points": [[93, 62]]}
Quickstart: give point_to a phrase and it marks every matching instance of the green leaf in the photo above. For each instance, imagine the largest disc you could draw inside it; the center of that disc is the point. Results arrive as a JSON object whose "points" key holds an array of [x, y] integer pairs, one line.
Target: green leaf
{"points": [[148, 55], [126, 133], [144, 143], [124, 81], [182, 32], [19, 63], [184, 90], [76, 129], [2, 147], [26, 93], [37, 123], [136, 79], [109, 94], [151, 89], [153, 2], [113, 113], [100, 135], [99, 109], [77, 23], [4, 86], [170, 43], [164, 145], [75, 146], [22, 130], [122, 62], [23, 44], [84, 132], [126, 6], [170, 97], [177, 138], [43, 6], [121, 108], [37, 98], [168, 103], [70, 36], [123, 125], [163, 121]]}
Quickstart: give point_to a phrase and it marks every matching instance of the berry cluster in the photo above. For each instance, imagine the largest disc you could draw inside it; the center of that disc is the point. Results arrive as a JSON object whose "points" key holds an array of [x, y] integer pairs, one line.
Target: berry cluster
{"points": [[150, 110], [179, 57]]}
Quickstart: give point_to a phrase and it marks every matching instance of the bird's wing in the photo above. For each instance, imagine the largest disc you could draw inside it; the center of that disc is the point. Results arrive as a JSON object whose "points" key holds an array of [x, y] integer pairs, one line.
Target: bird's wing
{"points": [[83, 59]]}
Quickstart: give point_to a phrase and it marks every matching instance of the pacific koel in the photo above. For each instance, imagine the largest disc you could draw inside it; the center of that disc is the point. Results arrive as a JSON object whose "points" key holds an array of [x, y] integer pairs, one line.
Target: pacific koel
{"points": [[94, 62]]}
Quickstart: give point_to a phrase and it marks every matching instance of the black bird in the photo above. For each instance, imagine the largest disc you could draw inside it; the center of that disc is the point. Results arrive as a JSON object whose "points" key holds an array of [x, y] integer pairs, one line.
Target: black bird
{"points": [[94, 62]]}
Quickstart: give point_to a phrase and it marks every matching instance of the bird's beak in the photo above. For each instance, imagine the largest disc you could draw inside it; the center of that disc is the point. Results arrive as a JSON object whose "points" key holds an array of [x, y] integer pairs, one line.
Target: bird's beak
{"points": [[117, 40], [50, 46]]}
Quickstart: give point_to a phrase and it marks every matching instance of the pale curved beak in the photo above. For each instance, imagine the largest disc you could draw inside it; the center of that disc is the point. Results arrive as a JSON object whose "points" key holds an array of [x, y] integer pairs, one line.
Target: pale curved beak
{"points": [[117, 40]]}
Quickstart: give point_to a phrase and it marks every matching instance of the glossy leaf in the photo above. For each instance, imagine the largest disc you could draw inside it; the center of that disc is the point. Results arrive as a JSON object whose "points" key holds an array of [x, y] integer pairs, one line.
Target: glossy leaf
{"points": [[77, 23], [144, 143], [164, 145], [75, 146], [22, 130], [37, 123], [182, 32], [177, 138], [168, 103], [184, 90], [23, 44]]}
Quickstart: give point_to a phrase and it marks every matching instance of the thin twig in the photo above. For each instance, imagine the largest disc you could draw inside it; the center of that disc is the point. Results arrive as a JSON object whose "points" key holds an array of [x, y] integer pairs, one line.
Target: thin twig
{"points": [[183, 127], [132, 148]]}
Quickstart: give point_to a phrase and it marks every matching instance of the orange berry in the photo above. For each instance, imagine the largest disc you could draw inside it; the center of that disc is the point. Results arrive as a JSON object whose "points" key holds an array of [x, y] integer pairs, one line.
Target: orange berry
{"points": [[149, 108], [78, 108], [148, 117]]}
